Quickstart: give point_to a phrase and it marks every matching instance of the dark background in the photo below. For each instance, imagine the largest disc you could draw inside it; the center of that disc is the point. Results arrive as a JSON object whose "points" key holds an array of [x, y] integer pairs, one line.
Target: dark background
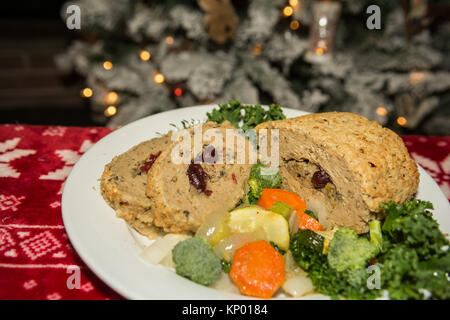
{"points": [[32, 89]]}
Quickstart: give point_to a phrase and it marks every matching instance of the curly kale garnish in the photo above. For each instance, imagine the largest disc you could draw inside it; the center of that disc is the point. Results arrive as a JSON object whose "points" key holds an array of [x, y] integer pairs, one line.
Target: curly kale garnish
{"points": [[245, 116], [414, 262]]}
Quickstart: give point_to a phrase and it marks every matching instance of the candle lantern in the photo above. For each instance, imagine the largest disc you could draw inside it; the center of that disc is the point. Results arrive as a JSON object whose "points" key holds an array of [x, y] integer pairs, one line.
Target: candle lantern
{"points": [[322, 30]]}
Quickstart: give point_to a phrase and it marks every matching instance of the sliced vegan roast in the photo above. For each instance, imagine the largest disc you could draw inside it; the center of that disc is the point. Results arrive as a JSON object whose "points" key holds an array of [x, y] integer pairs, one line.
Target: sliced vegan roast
{"points": [[343, 165]]}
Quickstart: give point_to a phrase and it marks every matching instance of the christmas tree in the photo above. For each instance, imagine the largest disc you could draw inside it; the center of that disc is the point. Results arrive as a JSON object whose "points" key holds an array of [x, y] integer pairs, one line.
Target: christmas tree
{"points": [[142, 57]]}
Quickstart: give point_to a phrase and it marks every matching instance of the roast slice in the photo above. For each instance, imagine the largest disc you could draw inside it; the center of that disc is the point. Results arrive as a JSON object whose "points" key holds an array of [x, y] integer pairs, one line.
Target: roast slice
{"points": [[344, 166], [184, 194], [124, 180]]}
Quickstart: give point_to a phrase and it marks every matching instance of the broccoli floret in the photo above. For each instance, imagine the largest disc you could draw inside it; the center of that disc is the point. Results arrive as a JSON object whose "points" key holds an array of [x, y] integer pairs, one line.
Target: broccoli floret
{"points": [[195, 259], [306, 248], [260, 178], [349, 252]]}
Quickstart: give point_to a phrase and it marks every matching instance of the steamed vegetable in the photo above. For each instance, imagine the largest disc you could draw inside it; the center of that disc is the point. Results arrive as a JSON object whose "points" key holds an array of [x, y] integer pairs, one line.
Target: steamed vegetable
{"points": [[161, 249], [270, 196], [226, 265], [413, 225], [375, 234], [195, 259], [415, 262], [250, 219], [282, 208], [215, 228], [226, 248], [261, 178], [311, 214], [258, 269], [298, 286], [245, 116], [347, 251], [309, 256]]}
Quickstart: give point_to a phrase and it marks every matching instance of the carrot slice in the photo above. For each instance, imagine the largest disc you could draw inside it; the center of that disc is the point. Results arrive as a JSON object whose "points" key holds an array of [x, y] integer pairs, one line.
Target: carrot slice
{"points": [[307, 222], [258, 269], [270, 196]]}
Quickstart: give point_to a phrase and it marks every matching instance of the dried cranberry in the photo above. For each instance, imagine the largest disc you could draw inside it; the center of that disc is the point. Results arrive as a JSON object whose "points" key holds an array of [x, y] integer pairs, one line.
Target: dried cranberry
{"points": [[197, 176], [320, 179], [233, 176], [149, 163]]}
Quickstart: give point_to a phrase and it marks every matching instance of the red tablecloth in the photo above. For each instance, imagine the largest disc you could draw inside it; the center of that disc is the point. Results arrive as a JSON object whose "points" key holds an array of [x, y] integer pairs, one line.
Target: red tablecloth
{"points": [[36, 258]]}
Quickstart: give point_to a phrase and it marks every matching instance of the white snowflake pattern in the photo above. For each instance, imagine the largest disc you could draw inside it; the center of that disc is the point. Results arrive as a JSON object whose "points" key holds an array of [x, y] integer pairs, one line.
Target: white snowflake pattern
{"points": [[10, 202], [86, 287], [439, 171], [40, 245], [55, 131], [30, 284], [8, 153], [6, 240], [69, 157], [11, 253], [54, 296], [55, 204]]}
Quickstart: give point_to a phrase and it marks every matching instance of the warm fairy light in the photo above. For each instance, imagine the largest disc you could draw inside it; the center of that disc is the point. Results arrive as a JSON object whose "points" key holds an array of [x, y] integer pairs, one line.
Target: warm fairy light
{"points": [[415, 77], [319, 51], [178, 92], [87, 92], [257, 50], [158, 78], [294, 25], [107, 65], [288, 11], [111, 97], [323, 21], [401, 121], [293, 3], [381, 111], [110, 111], [144, 55], [169, 40]]}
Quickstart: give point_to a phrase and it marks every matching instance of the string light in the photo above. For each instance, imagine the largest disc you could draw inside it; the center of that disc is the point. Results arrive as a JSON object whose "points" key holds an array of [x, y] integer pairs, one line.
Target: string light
{"points": [[178, 92], [402, 121], [381, 111], [293, 3], [87, 92], [257, 50], [158, 78], [107, 65], [288, 11], [294, 25], [110, 111], [169, 40], [112, 97], [144, 55]]}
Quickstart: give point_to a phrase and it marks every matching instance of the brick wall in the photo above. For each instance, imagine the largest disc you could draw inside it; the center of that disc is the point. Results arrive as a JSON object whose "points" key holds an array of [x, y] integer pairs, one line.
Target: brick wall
{"points": [[28, 75]]}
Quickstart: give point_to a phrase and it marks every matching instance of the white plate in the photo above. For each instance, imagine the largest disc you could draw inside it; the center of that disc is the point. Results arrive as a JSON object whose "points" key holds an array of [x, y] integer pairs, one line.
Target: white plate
{"points": [[105, 243]]}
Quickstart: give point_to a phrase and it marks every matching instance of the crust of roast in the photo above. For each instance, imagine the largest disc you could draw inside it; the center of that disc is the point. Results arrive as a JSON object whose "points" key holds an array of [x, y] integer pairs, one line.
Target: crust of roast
{"points": [[131, 204], [376, 156]]}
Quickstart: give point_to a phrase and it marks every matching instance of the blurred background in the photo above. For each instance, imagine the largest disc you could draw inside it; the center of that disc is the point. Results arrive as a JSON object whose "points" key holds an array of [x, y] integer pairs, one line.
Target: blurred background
{"points": [[100, 62]]}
